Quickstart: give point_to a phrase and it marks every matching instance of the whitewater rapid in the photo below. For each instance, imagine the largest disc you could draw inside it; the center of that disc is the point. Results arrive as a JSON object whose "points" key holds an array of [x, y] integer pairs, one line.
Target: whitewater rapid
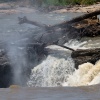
{"points": [[58, 68], [54, 70], [87, 74]]}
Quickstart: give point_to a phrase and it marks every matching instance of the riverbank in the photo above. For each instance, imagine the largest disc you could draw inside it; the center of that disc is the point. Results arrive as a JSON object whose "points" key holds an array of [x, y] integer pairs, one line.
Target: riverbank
{"points": [[14, 7], [80, 8]]}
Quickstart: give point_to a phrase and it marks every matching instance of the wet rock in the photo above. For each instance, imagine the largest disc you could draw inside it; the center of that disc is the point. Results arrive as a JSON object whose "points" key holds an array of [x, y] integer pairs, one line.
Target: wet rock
{"points": [[84, 56], [5, 72], [33, 54]]}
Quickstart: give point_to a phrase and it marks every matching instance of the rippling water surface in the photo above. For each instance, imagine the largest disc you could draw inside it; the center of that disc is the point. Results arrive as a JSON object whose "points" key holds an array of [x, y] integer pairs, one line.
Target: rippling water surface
{"points": [[59, 93]]}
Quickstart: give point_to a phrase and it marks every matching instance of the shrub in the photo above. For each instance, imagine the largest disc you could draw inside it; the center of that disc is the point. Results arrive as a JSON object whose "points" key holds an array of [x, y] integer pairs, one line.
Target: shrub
{"points": [[88, 2]]}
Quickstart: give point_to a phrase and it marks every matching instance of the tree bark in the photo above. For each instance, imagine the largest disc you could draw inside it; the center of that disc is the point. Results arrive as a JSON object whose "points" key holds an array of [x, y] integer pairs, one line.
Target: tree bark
{"points": [[63, 24], [25, 20], [88, 55], [82, 17]]}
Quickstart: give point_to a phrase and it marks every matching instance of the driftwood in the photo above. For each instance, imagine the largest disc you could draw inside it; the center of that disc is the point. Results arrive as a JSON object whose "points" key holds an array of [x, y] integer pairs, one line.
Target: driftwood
{"points": [[61, 33], [66, 47], [87, 55], [63, 24], [82, 17], [25, 20]]}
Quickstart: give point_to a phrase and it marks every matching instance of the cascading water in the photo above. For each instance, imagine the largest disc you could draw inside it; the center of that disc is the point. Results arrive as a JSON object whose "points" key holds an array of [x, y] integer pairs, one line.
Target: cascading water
{"points": [[58, 69], [54, 70], [87, 74]]}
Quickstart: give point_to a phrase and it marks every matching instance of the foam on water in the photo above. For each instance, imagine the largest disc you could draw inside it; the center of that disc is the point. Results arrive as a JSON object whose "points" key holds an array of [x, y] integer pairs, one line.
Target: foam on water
{"points": [[54, 70], [58, 69], [87, 74]]}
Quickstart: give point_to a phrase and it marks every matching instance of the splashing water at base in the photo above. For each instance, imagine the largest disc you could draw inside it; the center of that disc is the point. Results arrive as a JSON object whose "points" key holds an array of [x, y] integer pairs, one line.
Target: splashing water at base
{"points": [[58, 69], [87, 74], [54, 70]]}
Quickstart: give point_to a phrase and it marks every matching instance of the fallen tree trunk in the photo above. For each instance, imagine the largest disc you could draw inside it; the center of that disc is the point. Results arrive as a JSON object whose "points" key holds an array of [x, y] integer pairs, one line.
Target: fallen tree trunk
{"points": [[66, 47], [25, 20], [82, 52], [61, 33], [88, 55], [63, 24], [82, 17]]}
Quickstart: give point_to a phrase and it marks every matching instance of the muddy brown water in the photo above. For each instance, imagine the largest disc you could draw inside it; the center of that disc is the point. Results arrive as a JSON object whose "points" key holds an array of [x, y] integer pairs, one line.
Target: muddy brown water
{"points": [[59, 93]]}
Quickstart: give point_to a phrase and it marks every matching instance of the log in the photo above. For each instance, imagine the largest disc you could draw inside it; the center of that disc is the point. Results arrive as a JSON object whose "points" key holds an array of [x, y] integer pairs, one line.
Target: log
{"points": [[77, 19], [82, 17], [88, 55], [63, 24], [59, 37], [62, 32], [66, 47], [25, 20], [82, 52], [62, 36]]}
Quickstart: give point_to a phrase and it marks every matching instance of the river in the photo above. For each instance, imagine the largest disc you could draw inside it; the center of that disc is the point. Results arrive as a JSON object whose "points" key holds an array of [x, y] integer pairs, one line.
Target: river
{"points": [[50, 79]]}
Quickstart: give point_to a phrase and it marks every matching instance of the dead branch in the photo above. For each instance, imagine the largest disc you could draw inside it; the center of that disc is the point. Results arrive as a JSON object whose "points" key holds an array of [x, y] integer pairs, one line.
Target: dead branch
{"points": [[63, 24], [25, 20], [79, 18], [66, 47]]}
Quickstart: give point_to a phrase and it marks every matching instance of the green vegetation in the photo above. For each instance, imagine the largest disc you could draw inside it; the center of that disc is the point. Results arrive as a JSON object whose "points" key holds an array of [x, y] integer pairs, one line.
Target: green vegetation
{"points": [[88, 2], [59, 2]]}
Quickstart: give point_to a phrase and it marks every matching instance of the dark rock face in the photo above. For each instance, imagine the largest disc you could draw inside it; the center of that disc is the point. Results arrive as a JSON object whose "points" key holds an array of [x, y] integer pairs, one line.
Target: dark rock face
{"points": [[5, 71], [6, 76], [34, 55]]}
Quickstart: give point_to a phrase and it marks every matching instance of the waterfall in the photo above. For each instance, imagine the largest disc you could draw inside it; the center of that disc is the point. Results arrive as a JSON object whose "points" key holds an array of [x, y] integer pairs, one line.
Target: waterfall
{"points": [[58, 69], [54, 70], [87, 74]]}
